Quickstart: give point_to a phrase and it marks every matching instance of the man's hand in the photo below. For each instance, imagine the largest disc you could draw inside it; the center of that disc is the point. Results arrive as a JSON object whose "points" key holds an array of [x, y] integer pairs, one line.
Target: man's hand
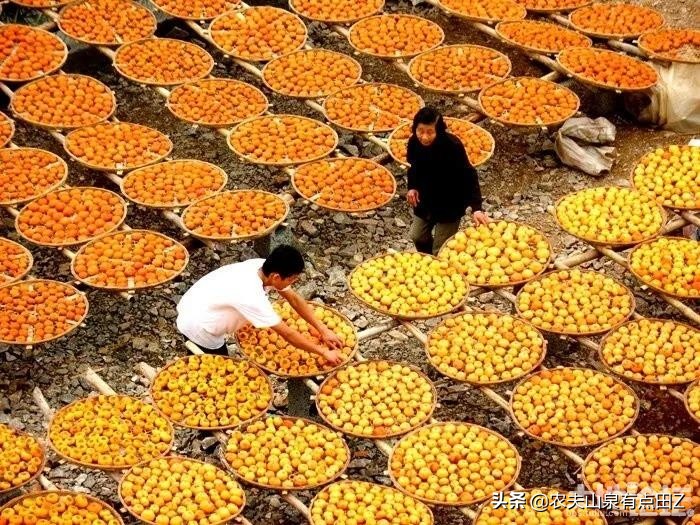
{"points": [[330, 339], [413, 198], [333, 357], [480, 217]]}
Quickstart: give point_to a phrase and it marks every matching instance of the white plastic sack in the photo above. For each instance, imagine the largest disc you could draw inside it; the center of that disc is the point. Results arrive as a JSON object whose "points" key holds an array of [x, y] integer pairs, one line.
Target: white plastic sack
{"points": [[580, 143], [674, 103]]}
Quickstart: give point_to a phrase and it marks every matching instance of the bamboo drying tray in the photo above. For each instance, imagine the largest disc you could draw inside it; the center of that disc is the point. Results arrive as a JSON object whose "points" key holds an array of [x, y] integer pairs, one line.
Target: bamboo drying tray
{"points": [[60, 182], [573, 445], [263, 413], [630, 177], [607, 365], [447, 310], [222, 456], [314, 198], [662, 56], [538, 363], [134, 173], [34, 476], [75, 324], [106, 468], [509, 284], [485, 20], [249, 355], [6, 121], [583, 334], [173, 275], [505, 122], [234, 236], [54, 67], [459, 503], [615, 244], [26, 253], [294, 8], [91, 499], [398, 54], [116, 225], [493, 78], [287, 161], [532, 49], [420, 373]]}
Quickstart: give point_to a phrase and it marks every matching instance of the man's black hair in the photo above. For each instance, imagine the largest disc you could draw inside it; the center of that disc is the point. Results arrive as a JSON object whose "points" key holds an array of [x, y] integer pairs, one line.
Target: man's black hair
{"points": [[284, 260], [428, 115]]}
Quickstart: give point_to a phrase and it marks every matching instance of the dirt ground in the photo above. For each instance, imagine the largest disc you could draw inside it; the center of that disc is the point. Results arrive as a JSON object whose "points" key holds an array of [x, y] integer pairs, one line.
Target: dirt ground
{"points": [[521, 182]]}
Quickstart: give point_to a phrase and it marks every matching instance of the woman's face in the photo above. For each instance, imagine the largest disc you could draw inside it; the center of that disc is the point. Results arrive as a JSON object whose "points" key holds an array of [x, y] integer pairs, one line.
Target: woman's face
{"points": [[426, 134]]}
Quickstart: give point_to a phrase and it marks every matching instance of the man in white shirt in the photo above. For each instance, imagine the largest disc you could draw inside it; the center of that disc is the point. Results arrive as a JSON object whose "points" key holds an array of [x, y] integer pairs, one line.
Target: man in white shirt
{"points": [[226, 299]]}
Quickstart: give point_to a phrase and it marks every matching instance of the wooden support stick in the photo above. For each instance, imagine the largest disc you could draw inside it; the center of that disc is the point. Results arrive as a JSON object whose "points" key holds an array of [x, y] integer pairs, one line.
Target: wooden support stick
{"points": [[41, 402], [98, 383], [47, 484], [297, 504]]}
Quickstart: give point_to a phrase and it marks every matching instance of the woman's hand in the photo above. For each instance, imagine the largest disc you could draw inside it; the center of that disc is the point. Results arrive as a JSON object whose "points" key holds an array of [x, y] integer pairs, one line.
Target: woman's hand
{"points": [[412, 198], [333, 357], [480, 217], [330, 339]]}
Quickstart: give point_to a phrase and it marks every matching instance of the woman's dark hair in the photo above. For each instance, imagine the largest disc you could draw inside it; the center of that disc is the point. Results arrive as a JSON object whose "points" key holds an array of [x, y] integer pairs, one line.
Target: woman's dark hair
{"points": [[284, 260], [428, 115]]}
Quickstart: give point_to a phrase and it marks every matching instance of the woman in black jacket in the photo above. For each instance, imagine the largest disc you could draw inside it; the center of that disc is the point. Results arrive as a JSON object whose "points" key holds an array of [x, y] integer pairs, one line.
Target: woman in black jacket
{"points": [[442, 183]]}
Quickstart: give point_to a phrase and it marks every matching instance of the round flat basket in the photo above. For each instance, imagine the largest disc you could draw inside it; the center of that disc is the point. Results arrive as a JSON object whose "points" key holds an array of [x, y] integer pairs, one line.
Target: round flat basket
{"points": [[396, 484], [691, 50], [655, 288], [414, 317], [116, 223], [573, 4], [364, 488], [481, 284], [317, 198], [7, 129], [212, 428], [618, 244], [255, 483], [611, 14], [417, 100], [231, 5], [250, 355], [63, 126], [396, 54], [401, 135], [522, 13], [59, 180], [146, 31], [233, 236], [19, 253], [388, 435], [34, 476], [72, 325], [629, 425], [582, 334], [592, 82], [327, 89], [106, 468], [536, 364], [181, 459], [585, 41], [60, 47], [589, 458], [131, 283], [692, 519], [120, 167], [41, 4], [539, 122], [609, 367], [20, 500], [693, 388], [670, 206], [241, 15], [285, 161], [177, 169], [374, 7], [496, 56], [212, 94], [205, 69]]}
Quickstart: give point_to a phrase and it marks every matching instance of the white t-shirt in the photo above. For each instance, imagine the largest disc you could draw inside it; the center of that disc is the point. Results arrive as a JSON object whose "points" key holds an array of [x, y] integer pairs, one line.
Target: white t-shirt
{"points": [[223, 301]]}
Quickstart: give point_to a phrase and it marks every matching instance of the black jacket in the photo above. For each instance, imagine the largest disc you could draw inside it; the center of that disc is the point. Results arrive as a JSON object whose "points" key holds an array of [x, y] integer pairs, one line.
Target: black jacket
{"points": [[446, 181]]}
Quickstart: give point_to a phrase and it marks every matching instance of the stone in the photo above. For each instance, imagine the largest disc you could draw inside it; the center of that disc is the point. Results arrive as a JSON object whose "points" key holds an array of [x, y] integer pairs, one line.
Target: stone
{"points": [[336, 276], [308, 228], [341, 218], [361, 322]]}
